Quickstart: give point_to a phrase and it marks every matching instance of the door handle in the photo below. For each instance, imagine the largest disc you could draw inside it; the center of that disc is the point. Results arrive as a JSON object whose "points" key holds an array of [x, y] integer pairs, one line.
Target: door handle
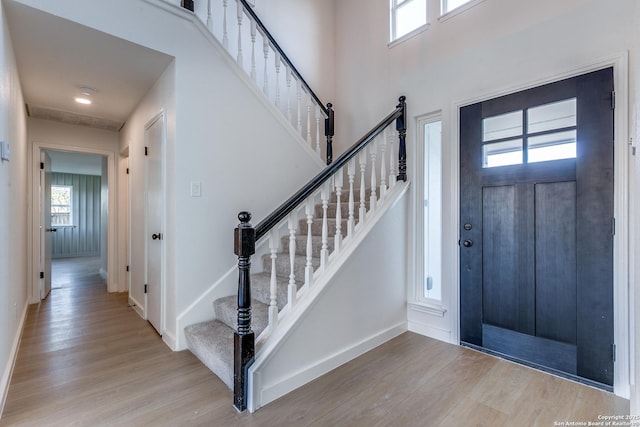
{"points": [[155, 236], [51, 230], [467, 243]]}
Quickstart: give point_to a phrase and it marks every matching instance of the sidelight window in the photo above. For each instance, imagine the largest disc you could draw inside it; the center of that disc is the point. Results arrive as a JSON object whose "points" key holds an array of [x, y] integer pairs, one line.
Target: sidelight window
{"points": [[538, 134]]}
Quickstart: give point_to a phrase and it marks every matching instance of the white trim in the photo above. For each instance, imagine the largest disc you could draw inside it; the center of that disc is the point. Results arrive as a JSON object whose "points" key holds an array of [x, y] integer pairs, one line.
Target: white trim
{"points": [[421, 29], [112, 235], [11, 361], [135, 304], [622, 327]]}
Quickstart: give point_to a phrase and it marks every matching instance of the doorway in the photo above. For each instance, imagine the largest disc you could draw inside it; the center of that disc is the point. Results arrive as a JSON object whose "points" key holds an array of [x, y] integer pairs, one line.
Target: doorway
{"points": [[536, 227]]}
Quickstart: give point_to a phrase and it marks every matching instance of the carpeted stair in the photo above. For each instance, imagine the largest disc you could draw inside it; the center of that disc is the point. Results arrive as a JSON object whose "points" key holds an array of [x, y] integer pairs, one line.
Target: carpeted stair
{"points": [[212, 341]]}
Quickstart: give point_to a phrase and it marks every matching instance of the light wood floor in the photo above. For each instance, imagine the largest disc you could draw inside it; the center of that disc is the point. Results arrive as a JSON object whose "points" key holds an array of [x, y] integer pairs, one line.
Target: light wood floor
{"points": [[87, 359]]}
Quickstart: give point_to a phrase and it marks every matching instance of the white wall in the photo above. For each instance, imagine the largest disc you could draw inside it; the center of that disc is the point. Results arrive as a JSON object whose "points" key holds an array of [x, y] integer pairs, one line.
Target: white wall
{"points": [[496, 47], [13, 210]]}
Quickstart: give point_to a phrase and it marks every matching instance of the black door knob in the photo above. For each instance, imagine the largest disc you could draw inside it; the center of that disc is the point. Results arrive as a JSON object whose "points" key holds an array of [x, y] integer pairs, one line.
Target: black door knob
{"points": [[467, 243], [155, 236]]}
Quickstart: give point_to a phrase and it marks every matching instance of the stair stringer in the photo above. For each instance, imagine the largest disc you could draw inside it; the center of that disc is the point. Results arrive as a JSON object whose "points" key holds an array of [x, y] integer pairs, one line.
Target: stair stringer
{"points": [[356, 304]]}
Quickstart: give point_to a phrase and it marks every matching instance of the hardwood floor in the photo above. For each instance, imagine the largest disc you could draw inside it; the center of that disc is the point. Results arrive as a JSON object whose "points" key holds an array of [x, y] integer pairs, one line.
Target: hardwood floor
{"points": [[87, 359]]}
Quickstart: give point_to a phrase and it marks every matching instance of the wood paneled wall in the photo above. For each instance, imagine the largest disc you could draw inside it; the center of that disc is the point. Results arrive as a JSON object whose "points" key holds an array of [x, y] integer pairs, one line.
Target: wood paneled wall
{"points": [[83, 238]]}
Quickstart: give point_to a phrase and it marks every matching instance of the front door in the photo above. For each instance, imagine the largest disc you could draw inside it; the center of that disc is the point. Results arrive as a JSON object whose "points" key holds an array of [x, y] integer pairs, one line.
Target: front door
{"points": [[536, 215]]}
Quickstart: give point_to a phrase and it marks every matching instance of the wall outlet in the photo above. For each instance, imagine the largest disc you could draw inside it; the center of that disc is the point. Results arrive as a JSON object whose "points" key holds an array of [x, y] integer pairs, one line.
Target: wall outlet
{"points": [[196, 189]]}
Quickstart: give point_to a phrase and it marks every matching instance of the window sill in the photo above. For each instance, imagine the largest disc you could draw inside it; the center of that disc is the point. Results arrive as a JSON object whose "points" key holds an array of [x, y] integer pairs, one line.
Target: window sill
{"points": [[458, 10], [431, 308], [408, 36]]}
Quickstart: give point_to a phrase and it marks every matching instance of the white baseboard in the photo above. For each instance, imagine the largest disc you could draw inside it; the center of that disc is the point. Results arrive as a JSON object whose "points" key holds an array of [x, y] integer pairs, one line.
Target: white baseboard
{"points": [[133, 303], [430, 331], [311, 372], [169, 339], [8, 370], [104, 274]]}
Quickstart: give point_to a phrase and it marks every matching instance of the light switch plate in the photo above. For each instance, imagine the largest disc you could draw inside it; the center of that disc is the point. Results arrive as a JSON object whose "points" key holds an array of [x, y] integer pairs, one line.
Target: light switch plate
{"points": [[196, 188]]}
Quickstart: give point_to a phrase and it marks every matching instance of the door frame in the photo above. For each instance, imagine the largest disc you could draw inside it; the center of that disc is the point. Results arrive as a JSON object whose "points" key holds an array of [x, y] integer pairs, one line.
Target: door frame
{"points": [[161, 116], [621, 292], [34, 267]]}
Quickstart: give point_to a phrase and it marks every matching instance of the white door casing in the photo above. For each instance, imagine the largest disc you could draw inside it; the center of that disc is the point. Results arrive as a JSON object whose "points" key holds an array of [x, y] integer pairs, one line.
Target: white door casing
{"points": [[45, 224], [154, 136]]}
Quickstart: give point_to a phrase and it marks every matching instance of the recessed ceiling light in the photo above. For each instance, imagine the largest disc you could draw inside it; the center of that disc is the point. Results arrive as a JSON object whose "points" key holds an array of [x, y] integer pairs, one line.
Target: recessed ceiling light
{"points": [[84, 101], [87, 90]]}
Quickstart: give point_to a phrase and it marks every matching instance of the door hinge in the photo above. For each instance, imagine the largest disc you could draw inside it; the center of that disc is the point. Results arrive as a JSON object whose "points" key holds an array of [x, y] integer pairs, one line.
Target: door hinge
{"points": [[127, 268], [613, 352], [613, 226], [42, 274], [42, 165], [613, 100], [146, 288], [146, 151], [127, 171]]}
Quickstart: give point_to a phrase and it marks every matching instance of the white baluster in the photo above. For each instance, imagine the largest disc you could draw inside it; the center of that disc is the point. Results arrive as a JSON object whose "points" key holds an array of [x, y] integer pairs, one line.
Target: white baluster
{"points": [[292, 289], [324, 252], [351, 173], [363, 203], [274, 238], [308, 270], [299, 102], [309, 119], [265, 50], [289, 94], [209, 17], [318, 117], [240, 16], [253, 50], [373, 199], [338, 180], [225, 33], [278, 60], [392, 161], [383, 166]]}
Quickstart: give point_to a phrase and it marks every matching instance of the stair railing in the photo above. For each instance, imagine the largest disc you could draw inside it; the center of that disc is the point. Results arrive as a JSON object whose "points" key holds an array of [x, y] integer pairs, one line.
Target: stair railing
{"points": [[242, 34], [370, 152]]}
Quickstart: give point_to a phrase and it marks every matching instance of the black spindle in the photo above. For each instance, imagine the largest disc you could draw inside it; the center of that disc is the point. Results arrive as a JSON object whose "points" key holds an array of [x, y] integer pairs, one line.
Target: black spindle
{"points": [[329, 124], [401, 127], [244, 339]]}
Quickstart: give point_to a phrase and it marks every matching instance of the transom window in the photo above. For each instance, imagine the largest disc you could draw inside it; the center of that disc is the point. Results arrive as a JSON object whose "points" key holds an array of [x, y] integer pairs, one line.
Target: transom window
{"points": [[61, 200], [407, 16], [537, 134]]}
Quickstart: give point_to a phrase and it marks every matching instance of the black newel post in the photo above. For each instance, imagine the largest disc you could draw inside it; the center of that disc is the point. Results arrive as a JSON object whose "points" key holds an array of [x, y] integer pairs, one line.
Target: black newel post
{"points": [[244, 339], [188, 4], [401, 127], [329, 132]]}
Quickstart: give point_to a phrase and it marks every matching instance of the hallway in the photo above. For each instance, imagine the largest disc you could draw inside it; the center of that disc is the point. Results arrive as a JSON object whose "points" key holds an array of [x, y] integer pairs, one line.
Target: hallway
{"points": [[87, 359]]}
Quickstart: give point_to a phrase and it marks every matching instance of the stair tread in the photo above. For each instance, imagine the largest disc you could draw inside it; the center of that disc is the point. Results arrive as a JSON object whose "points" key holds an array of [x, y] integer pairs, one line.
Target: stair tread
{"points": [[261, 288], [212, 343], [226, 310]]}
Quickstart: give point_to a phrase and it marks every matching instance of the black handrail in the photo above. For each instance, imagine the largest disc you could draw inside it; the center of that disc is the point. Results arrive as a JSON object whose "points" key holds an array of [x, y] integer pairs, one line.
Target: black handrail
{"points": [[285, 209], [249, 9]]}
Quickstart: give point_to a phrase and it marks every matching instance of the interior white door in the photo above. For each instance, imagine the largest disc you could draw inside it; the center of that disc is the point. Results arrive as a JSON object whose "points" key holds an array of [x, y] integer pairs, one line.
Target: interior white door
{"points": [[45, 224], [154, 147]]}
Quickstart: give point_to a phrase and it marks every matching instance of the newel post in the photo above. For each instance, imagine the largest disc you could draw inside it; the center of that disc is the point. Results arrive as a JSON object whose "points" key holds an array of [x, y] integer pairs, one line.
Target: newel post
{"points": [[329, 123], [244, 339], [401, 127], [187, 4]]}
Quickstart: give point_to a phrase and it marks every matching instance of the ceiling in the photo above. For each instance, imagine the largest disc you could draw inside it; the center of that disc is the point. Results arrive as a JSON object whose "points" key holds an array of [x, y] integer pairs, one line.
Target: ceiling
{"points": [[56, 58]]}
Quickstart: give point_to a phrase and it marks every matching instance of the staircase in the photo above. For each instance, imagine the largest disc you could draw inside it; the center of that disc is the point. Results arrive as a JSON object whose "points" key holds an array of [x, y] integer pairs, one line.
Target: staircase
{"points": [[212, 341]]}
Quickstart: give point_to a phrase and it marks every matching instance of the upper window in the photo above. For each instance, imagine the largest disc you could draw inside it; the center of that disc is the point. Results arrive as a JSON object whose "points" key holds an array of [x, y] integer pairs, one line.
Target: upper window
{"points": [[449, 5], [407, 16], [61, 199]]}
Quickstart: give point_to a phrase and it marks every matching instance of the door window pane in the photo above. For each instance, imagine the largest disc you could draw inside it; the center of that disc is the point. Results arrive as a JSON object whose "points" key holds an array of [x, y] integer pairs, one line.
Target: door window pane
{"points": [[502, 153], [502, 126], [553, 146], [432, 280], [556, 115]]}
